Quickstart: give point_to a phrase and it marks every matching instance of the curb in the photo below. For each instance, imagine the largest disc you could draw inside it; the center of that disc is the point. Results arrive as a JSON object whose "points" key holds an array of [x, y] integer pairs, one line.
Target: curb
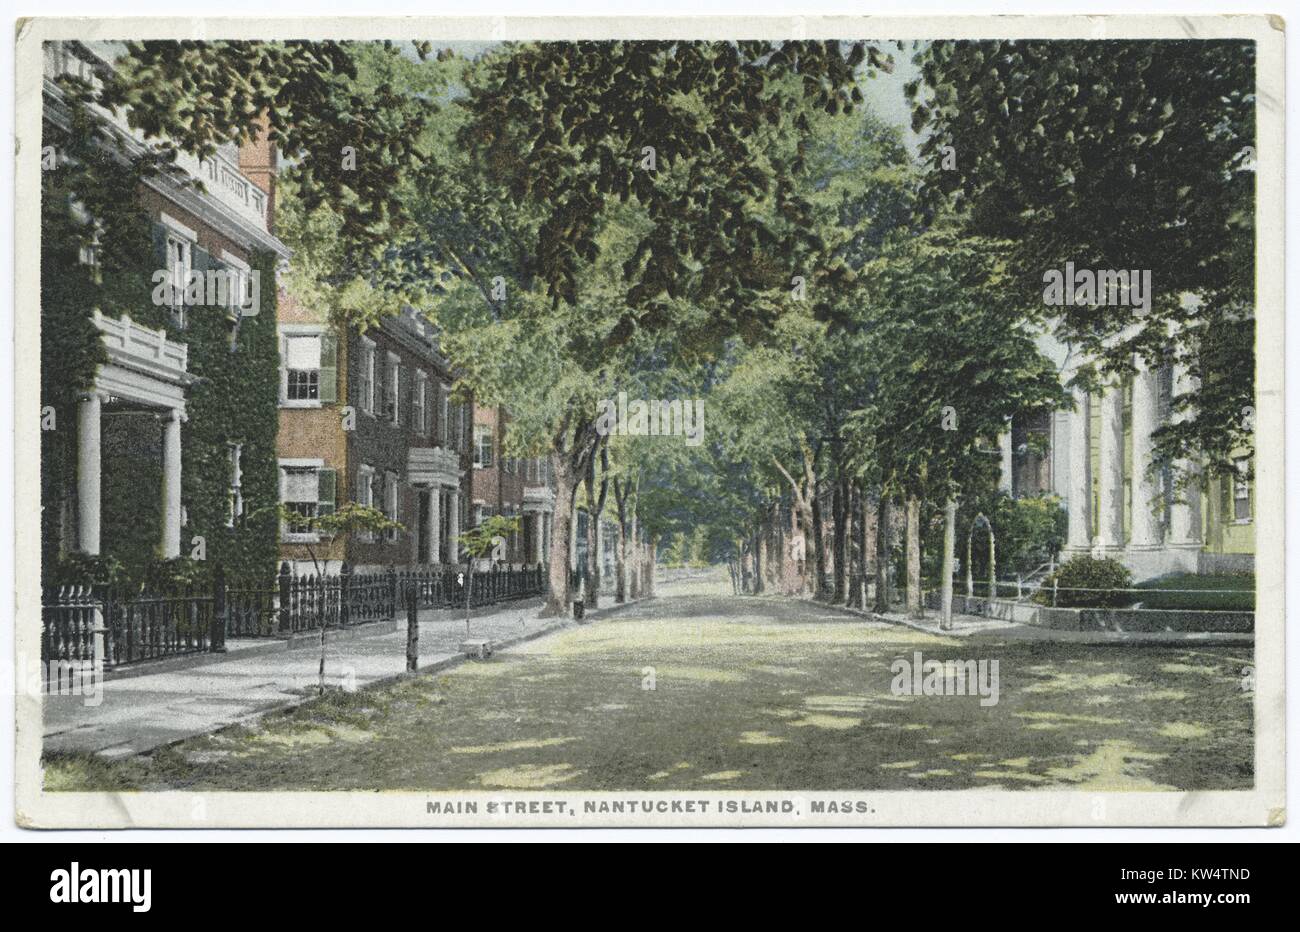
{"points": [[1023, 632]]}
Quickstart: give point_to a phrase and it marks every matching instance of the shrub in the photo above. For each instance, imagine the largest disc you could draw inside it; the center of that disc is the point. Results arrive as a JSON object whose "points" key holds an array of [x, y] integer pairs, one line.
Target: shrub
{"points": [[1088, 573], [81, 569]]}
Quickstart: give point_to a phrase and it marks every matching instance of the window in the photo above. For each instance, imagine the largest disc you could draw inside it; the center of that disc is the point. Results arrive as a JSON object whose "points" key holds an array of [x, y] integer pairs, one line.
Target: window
{"points": [[88, 255], [308, 492], [482, 448], [179, 259], [236, 495], [309, 369], [302, 364], [365, 377], [365, 486], [392, 387], [1241, 492], [392, 508], [418, 406], [365, 493], [240, 294], [444, 412]]}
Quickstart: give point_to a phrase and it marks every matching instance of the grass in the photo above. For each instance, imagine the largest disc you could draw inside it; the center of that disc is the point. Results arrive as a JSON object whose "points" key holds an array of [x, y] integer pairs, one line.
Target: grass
{"points": [[718, 693], [1241, 599]]}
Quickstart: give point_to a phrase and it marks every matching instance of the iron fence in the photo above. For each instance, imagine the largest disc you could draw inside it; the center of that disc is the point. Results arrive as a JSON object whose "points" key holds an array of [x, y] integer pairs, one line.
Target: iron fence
{"points": [[119, 626], [152, 625]]}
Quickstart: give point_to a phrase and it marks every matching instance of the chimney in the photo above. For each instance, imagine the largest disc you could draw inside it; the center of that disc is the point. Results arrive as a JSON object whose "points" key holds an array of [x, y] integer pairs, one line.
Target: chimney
{"points": [[259, 161]]}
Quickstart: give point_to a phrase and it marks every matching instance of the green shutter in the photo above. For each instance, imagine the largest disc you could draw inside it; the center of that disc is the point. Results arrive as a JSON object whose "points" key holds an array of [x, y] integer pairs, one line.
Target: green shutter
{"points": [[325, 492], [329, 368], [160, 245]]}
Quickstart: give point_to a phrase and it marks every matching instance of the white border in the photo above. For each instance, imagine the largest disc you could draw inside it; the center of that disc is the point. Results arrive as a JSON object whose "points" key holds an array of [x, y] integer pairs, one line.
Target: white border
{"points": [[1271, 427]]}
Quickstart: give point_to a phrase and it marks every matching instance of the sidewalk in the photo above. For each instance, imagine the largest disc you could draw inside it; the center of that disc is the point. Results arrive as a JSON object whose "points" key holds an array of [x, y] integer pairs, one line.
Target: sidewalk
{"points": [[145, 710]]}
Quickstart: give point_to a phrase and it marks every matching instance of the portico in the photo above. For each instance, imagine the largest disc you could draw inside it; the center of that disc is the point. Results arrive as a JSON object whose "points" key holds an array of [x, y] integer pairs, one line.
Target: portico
{"points": [[1124, 511], [538, 508], [435, 473], [144, 370]]}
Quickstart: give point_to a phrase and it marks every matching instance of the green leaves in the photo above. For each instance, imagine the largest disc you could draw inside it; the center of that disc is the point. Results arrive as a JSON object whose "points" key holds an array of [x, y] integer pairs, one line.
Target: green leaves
{"points": [[563, 127], [313, 100], [1115, 155]]}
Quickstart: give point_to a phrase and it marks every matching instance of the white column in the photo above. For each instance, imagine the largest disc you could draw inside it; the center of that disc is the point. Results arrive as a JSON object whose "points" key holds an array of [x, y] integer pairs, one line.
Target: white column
{"points": [[435, 524], [1110, 517], [453, 526], [171, 529], [88, 473], [1185, 515], [1007, 461], [1146, 418], [539, 525], [1079, 498], [547, 524]]}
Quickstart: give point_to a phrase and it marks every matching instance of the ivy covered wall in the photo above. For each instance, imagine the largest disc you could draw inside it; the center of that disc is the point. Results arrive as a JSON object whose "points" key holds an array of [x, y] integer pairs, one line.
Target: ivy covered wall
{"points": [[233, 401]]}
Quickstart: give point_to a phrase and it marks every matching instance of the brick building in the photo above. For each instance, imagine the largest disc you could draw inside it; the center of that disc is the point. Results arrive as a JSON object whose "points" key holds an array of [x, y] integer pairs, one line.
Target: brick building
{"points": [[511, 486], [368, 418], [172, 444]]}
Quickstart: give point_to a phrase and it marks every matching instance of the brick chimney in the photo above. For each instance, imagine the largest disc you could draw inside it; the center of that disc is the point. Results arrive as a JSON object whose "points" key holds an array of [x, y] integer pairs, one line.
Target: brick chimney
{"points": [[259, 161]]}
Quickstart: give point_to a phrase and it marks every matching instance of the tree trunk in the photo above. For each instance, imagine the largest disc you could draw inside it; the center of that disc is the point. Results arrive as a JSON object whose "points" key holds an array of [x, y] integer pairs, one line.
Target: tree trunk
{"points": [[633, 564], [819, 550], [652, 549], [591, 593], [759, 568], [801, 512], [914, 607], [595, 508], [840, 541], [861, 594], [559, 599], [882, 555], [945, 569], [778, 562], [620, 560], [772, 538]]}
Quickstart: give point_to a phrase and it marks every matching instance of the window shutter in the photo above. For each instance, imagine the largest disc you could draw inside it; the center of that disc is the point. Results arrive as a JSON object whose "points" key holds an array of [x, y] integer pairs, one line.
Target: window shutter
{"points": [[329, 368], [326, 481], [160, 245], [284, 371]]}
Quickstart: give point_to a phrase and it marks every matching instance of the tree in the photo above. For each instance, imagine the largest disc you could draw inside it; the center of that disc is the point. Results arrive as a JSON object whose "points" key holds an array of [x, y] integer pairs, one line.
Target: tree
{"points": [[685, 129], [348, 519], [349, 133], [1130, 154], [482, 541], [952, 366]]}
